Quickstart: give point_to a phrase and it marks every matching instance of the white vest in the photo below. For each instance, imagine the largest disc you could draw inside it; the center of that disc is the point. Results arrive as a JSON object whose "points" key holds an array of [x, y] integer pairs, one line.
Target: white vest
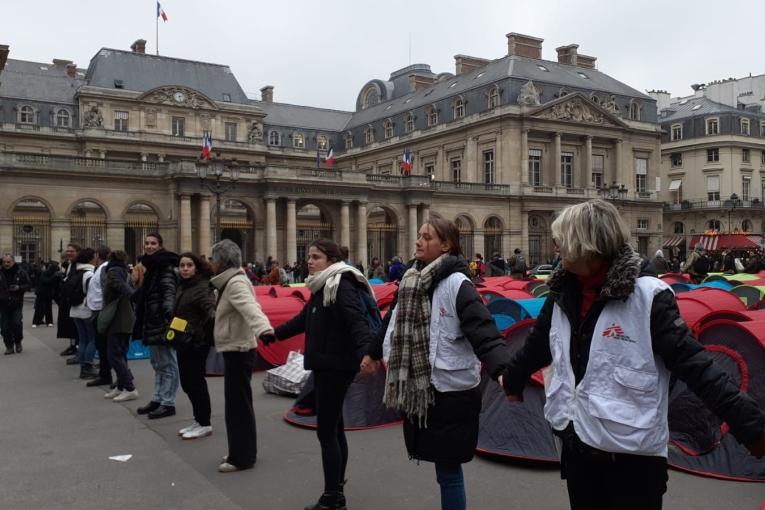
{"points": [[620, 405], [454, 365]]}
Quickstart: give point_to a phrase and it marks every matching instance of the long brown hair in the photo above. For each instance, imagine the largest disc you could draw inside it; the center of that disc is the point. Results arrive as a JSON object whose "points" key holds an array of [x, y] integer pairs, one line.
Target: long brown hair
{"points": [[329, 248], [203, 268], [447, 231]]}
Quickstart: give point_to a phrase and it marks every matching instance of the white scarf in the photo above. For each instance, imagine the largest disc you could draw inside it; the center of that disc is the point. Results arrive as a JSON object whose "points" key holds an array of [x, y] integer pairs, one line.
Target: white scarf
{"points": [[329, 279]]}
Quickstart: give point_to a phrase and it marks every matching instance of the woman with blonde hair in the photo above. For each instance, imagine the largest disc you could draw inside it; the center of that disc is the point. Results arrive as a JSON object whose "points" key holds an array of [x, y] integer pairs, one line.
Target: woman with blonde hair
{"points": [[612, 336]]}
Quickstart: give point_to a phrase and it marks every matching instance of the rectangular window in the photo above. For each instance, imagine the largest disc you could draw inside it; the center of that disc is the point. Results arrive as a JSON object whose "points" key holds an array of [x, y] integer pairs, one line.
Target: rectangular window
{"points": [[762, 158], [567, 169], [713, 188], [676, 158], [535, 167], [598, 165], [677, 132], [762, 128], [745, 127], [641, 174], [226, 97], [120, 121], [642, 223], [488, 167], [713, 155], [230, 131], [430, 170], [745, 155], [179, 126], [713, 126], [746, 186], [456, 170], [384, 169], [348, 142]]}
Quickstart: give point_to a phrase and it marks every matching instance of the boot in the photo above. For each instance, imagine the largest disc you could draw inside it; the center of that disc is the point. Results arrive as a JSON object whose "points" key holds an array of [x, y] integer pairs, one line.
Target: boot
{"points": [[18, 347], [8, 350], [329, 501], [69, 351], [88, 372]]}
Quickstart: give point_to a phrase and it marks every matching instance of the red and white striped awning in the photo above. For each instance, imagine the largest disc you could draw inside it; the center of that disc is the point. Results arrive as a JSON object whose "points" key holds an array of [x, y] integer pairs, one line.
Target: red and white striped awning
{"points": [[726, 241], [673, 242]]}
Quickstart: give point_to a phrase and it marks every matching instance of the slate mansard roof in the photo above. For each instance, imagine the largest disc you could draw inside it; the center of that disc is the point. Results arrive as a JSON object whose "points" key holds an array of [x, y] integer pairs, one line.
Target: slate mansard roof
{"points": [[699, 106], [34, 81]]}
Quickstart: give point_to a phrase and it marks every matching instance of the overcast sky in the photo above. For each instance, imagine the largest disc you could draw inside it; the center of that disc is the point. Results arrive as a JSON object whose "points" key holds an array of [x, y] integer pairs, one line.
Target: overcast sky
{"points": [[321, 53]]}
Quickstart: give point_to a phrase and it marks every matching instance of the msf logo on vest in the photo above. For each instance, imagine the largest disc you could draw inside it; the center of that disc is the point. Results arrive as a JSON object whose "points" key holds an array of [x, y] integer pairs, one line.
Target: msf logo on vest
{"points": [[617, 333]]}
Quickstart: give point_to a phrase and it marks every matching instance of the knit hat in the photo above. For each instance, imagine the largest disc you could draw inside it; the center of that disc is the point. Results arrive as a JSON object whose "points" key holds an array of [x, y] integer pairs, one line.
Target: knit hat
{"points": [[659, 253]]}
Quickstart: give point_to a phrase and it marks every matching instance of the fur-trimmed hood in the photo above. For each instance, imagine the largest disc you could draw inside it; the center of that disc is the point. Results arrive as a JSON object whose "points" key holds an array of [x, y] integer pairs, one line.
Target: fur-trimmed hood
{"points": [[620, 279]]}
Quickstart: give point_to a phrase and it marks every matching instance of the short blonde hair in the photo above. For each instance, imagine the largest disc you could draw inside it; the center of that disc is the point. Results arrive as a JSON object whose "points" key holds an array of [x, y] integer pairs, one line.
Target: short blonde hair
{"points": [[592, 228]]}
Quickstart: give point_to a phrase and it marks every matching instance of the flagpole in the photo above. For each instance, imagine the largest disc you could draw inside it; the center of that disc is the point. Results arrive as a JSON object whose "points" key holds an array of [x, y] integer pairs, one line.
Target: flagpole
{"points": [[156, 26]]}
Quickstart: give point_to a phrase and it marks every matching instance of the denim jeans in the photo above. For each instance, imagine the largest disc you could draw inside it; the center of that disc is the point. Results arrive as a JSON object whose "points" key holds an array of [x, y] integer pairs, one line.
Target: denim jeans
{"points": [[452, 484], [86, 332], [166, 377]]}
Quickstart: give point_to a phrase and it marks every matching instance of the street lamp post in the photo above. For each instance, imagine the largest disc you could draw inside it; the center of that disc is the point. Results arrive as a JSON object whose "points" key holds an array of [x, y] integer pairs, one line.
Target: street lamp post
{"points": [[218, 176], [733, 204]]}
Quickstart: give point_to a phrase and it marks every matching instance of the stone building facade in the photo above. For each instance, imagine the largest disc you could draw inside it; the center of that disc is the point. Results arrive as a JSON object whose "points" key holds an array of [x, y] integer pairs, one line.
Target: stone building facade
{"points": [[109, 153]]}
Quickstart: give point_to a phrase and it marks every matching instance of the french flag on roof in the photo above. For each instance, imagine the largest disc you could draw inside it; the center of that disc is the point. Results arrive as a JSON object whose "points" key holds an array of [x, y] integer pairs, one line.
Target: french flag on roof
{"points": [[161, 12]]}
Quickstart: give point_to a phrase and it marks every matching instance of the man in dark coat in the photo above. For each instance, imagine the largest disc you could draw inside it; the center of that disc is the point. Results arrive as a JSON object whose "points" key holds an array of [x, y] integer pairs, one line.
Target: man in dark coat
{"points": [[46, 291], [66, 327], [14, 282]]}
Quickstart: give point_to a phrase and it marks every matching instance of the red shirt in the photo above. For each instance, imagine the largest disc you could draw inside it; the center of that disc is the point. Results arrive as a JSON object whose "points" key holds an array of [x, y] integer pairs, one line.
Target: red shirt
{"points": [[591, 286]]}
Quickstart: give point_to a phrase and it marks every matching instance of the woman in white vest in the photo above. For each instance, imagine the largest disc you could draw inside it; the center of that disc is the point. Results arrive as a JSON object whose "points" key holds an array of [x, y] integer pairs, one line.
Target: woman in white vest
{"points": [[436, 337], [612, 336]]}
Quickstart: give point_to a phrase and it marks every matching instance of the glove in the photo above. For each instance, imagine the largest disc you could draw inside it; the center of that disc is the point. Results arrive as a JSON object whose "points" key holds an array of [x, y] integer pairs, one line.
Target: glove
{"points": [[267, 338], [758, 447]]}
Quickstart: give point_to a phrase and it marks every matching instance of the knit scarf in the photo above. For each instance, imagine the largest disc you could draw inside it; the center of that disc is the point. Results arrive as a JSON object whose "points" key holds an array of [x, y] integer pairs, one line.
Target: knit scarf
{"points": [[407, 383], [329, 279]]}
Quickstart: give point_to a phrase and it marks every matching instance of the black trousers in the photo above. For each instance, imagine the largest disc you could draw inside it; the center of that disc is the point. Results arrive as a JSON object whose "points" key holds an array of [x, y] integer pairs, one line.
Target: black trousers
{"points": [[11, 325], [331, 388], [43, 310], [104, 366], [117, 350], [191, 366], [240, 416], [599, 480]]}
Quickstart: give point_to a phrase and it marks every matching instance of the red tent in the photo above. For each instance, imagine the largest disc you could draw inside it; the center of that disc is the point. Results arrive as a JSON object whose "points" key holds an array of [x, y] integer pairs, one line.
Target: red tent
{"points": [[698, 303]]}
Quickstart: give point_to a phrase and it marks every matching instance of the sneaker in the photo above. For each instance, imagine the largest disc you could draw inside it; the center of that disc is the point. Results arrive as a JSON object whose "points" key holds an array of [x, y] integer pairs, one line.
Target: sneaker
{"points": [[125, 396], [151, 406], [112, 393], [200, 431], [51, 325], [69, 351], [74, 360], [162, 411], [188, 429], [228, 468], [34, 326]]}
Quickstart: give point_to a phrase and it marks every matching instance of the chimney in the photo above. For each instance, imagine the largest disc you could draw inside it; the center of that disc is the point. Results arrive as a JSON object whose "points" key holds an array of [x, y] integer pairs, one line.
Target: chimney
{"points": [[139, 46], [524, 45], [420, 81], [71, 70], [267, 94], [464, 64], [4, 50], [585, 61], [567, 54], [662, 97]]}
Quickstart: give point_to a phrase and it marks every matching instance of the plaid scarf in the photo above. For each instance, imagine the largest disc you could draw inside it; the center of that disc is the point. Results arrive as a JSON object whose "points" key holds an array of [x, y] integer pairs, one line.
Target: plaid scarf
{"points": [[407, 383]]}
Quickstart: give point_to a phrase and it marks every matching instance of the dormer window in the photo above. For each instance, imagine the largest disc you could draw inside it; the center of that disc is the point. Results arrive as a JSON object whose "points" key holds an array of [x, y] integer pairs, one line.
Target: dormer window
{"points": [[677, 132], [542, 68], [745, 127], [492, 97], [298, 141], [26, 115], [432, 113], [348, 141], [322, 143], [635, 110], [713, 126], [274, 138], [409, 122], [226, 98], [63, 119], [369, 135], [582, 75], [458, 108], [371, 97], [388, 128]]}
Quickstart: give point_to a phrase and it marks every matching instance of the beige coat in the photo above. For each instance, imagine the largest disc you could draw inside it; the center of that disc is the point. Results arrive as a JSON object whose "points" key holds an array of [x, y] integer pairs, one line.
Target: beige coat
{"points": [[239, 320]]}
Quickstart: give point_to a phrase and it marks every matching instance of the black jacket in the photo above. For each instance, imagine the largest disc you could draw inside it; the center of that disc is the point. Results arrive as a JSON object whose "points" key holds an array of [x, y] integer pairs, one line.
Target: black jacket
{"points": [[155, 300], [48, 283], [337, 336], [15, 276], [195, 303], [671, 340]]}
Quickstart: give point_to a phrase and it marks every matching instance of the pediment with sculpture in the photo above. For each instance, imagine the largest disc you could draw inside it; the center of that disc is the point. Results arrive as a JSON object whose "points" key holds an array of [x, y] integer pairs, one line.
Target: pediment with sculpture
{"points": [[577, 108], [182, 97]]}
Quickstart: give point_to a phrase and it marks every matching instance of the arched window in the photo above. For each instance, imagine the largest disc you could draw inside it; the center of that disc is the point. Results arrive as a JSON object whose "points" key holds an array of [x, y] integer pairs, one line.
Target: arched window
{"points": [[493, 97], [322, 142], [713, 225], [635, 110], [369, 135], [298, 141], [388, 128], [409, 122], [274, 138], [432, 113], [679, 228], [26, 115], [747, 226], [349, 141], [458, 108], [62, 118], [371, 97]]}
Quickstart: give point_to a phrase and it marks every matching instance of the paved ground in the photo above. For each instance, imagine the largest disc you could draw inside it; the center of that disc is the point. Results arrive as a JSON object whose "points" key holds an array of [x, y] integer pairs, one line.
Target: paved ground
{"points": [[56, 437]]}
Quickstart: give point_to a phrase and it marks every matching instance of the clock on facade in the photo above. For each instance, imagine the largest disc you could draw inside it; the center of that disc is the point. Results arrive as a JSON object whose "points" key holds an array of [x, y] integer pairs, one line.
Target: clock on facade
{"points": [[179, 97]]}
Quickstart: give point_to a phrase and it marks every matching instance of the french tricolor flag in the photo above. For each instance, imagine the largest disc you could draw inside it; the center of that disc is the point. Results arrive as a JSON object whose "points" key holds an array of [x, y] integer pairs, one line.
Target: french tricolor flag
{"points": [[207, 145], [329, 158], [161, 12], [406, 162]]}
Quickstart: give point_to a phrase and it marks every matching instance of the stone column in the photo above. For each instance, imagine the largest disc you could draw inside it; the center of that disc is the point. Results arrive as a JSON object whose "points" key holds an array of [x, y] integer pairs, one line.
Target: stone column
{"points": [[271, 228], [345, 224], [425, 212], [587, 170], [361, 224], [442, 172], [6, 237], [524, 156], [556, 161], [205, 245], [115, 234], [412, 228], [60, 235], [291, 232], [618, 156], [185, 223], [471, 156]]}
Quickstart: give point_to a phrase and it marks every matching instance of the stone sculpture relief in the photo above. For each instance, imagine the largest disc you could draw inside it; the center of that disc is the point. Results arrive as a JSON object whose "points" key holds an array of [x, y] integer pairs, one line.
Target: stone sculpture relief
{"points": [[93, 118], [255, 134], [179, 96], [575, 110], [529, 95]]}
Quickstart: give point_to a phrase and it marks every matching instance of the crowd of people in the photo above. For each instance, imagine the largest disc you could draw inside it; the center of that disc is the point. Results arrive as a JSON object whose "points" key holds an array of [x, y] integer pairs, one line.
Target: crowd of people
{"points": [[606, 398]]}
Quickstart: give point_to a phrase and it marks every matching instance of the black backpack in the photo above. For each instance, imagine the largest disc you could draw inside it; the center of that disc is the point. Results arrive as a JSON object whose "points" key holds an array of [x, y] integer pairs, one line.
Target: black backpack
{"points": [[73, 288], [371, 312], [519, 266], [701, 266]]}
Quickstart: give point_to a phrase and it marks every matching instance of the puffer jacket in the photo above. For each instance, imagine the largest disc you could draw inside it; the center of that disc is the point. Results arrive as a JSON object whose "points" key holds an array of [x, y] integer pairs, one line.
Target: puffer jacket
{"points": [[117, 292], [671, 340], [155, 300], [195, 303], [336, 336], [239, 320]]}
